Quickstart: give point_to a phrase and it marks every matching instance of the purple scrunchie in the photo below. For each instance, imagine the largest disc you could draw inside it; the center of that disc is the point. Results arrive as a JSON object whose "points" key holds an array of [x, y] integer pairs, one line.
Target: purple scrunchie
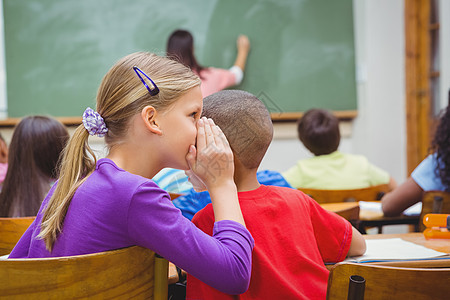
{"points": [[94, 123]]}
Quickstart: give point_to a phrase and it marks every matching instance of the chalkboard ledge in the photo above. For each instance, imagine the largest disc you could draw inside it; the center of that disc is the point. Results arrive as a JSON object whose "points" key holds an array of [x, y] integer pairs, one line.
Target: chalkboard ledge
{"points": [[343, 115], [68, 121], [276, 117]]}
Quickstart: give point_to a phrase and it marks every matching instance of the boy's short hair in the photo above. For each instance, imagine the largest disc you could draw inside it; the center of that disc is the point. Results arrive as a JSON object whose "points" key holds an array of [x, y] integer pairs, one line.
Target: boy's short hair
{"points": [[318, 130], [244, 120]]}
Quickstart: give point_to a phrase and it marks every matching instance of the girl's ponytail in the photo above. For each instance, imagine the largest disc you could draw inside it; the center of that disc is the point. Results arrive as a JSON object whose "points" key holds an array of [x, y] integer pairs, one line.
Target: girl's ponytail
{"points": [[77, 163]]}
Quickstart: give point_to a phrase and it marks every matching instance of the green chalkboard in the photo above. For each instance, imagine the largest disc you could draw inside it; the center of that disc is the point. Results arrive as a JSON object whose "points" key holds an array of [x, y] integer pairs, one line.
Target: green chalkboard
{"points": [[302, 51]]}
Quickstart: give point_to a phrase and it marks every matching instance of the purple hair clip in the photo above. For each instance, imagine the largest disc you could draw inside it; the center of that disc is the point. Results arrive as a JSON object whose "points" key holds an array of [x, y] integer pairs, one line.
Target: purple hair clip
{"points": [[94, 123], [154, 90]]}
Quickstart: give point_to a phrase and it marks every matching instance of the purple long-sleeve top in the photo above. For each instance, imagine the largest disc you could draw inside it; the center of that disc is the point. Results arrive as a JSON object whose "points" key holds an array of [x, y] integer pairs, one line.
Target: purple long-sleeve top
{"points": [[114, 209]]}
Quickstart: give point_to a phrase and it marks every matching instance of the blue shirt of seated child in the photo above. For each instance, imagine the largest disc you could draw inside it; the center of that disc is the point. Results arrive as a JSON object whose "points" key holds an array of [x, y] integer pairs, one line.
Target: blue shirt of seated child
{"points": [[192, 202], [425, 175]]}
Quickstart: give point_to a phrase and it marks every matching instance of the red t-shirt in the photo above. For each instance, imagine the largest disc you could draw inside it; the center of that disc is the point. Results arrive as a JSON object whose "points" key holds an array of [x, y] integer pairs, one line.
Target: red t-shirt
{"points": [[294, 237]]}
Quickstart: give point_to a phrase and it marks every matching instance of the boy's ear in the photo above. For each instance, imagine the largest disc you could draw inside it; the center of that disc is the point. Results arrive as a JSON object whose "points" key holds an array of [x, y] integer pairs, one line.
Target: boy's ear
{"points": [[148, 115]]}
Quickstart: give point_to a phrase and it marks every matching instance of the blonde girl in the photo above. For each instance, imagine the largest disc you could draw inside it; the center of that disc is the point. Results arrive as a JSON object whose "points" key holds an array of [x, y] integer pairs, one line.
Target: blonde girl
{"points": [[148, 111]]}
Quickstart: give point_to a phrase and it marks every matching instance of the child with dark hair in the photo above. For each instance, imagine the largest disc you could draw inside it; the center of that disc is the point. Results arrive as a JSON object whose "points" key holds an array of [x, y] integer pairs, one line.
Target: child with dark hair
{"points": [[318, 130], [36, 146], [294, 236], [433, 173]]}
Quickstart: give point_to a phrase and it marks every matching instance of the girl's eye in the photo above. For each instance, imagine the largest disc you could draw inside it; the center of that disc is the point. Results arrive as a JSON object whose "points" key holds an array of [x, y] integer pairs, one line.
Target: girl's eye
{"points": [[193, 115]]}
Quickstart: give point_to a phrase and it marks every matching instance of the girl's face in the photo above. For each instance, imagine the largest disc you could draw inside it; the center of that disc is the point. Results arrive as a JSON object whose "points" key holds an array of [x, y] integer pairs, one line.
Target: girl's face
{"points": [[178, 126]]}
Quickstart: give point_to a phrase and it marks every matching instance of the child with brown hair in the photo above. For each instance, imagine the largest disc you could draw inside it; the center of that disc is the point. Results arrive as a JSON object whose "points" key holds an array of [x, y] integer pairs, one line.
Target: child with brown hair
{"points": [[35, 148], [294, 236], [318, 130]]}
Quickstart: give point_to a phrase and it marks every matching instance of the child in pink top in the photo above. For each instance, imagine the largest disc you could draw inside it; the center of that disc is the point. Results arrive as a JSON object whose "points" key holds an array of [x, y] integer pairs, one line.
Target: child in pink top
{"points": [[180, 47]]}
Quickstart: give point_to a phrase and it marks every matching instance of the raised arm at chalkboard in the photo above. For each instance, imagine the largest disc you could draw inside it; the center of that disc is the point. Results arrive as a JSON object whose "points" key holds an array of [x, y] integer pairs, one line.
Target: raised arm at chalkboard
{"points": [[243, 47]]}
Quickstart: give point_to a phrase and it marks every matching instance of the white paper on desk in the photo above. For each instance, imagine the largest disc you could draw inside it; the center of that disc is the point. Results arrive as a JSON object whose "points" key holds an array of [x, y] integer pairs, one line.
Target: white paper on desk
{"points": [[371, 206], [394, 249], [376, 206], [414, 210]]}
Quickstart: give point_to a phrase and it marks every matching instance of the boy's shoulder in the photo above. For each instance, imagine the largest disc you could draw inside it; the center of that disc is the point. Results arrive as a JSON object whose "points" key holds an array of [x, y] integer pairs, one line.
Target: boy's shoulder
{"points": [[274, 193], [289, 193]]}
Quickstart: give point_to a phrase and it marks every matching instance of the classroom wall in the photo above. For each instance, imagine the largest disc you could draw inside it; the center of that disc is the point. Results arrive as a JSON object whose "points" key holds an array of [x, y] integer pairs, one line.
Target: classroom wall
{"points": [[444, 36]]}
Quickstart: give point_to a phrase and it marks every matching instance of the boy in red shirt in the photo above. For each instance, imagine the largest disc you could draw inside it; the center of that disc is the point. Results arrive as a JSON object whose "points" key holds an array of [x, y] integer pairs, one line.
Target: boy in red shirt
{"points": [[293, 235]]}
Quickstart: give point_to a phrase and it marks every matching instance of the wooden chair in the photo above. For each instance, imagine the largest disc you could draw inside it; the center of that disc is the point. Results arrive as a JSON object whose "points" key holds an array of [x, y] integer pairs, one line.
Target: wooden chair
{"points": [[365, 194], [434, 202], [11, 230], [133, 272], [347, 210], [366, 281], [351, 195]]}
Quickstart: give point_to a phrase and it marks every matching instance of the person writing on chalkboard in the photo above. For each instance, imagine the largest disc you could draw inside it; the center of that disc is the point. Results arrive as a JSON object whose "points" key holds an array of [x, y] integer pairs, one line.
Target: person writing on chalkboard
{"points": [[180, 47], [318, 130], [148, 111]]}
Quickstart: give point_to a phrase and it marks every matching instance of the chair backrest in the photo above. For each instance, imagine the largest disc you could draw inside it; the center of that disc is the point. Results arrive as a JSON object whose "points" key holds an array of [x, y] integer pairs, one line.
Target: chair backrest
{"points": [[382, 282], [11, 230], [347, 210], [365, 194], [133, 272], [434, 202]]}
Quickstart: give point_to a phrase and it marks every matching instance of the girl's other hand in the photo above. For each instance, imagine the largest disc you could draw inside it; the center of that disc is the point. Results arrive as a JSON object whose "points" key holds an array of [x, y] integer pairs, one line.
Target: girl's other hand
{"points": [[212, 160]]}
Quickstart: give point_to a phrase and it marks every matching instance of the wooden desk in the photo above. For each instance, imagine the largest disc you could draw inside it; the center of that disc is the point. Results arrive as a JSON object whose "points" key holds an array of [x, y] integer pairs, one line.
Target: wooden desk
{"points": [[368, 218], [347, 210], [441, 245], [377, 219], [362, 219], [339, 206]]}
